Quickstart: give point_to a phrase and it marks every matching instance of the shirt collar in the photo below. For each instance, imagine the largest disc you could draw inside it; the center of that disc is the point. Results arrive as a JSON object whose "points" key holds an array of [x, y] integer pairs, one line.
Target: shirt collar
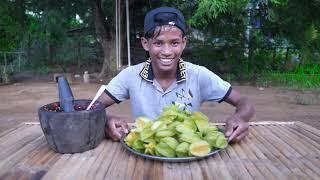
{"points": [[147, 73]]}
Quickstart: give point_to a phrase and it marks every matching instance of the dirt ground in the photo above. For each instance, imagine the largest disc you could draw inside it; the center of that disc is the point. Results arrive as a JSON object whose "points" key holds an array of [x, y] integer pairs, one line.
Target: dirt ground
{"points": [[20, 102]]}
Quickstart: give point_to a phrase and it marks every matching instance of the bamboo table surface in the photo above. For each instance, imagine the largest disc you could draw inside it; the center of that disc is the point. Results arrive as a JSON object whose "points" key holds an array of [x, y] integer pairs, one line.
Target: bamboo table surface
{"points": [[272, 150]]}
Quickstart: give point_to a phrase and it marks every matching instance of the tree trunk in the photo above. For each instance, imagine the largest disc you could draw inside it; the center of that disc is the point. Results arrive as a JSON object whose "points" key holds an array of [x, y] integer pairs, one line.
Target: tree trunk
{"points": [[274, 55], [49, 49], [105, 35], [78, 52], [286, 64], [109, 67], [123, 34]]}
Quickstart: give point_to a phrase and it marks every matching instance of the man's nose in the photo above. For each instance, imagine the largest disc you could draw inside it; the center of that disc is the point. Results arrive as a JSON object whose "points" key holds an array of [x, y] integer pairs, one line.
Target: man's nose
{"points": [[166, 50]]}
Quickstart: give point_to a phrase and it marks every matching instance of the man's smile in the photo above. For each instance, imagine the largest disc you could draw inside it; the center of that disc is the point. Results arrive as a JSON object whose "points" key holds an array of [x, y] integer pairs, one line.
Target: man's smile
{"points": [[166, 61]]}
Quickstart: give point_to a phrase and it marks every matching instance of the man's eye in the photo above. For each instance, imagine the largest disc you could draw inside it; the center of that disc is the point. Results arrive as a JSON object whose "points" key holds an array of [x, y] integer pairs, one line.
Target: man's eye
{"points": [[157, 43], [175, 43]]}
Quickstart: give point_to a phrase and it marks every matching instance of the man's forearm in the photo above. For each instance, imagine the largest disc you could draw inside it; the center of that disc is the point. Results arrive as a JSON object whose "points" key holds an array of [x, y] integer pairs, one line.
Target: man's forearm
{"points": [[244, 109], [105, 99]]}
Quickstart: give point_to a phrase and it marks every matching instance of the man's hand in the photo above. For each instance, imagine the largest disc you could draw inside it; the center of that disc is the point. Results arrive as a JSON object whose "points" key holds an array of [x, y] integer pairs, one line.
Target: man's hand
{"points": [[237, 126], [236, 129], [116, 127]]}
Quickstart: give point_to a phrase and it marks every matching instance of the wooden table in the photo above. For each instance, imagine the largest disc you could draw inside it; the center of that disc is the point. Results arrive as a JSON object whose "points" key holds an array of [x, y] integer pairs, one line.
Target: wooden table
{"points": [[271, 151]]}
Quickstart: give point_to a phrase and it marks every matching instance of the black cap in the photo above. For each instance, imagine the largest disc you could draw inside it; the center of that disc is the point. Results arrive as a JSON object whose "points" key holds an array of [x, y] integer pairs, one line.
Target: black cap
{"points": [[164, 16]]}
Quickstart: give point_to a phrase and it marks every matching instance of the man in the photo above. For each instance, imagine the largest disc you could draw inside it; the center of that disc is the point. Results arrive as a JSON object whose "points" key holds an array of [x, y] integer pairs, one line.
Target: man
{"points": [[165, 79]]}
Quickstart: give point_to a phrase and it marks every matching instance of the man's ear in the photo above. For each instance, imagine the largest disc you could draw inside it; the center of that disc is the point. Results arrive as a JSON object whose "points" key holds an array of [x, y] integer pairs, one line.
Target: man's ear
{"points": [[184, 41], [144, 43]]}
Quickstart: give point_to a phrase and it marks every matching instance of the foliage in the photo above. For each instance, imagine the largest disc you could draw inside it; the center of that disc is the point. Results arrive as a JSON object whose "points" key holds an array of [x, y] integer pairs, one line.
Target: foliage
{"points": [[293, 80], [208, 10], [287, 42], [297, 22], [10, 29], [42, 31], [303, 99]]}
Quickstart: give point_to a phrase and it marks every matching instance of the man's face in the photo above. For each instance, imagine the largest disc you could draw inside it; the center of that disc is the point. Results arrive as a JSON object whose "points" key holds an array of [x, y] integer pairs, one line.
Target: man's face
{"points": [[166, 48]]}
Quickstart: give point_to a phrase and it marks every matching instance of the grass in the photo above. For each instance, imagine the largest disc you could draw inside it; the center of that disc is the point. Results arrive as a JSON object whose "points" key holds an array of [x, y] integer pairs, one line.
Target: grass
{"points": [[290, 80], [304, 99], [307, 85]]}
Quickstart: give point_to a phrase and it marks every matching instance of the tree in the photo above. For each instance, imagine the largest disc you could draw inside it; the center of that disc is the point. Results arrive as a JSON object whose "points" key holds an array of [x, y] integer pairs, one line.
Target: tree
{"points": [[105, 33], [298, 22], [11, 24], [41, 27], [285, 23], [105, 30], [49, 25]]}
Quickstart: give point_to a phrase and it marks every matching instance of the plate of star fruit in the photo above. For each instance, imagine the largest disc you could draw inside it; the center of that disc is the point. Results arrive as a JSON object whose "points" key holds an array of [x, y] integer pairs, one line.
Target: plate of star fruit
{"points": [[176, 135]]}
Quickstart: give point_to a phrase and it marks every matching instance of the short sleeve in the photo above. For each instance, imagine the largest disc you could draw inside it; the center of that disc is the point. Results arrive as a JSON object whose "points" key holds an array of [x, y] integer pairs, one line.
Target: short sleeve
{"points": [[118, 87], [212, 87]]}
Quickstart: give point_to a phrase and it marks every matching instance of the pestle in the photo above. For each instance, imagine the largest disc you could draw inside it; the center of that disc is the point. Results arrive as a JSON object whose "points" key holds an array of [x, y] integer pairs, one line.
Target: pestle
{"points": [[65, 94], [101, 90]]}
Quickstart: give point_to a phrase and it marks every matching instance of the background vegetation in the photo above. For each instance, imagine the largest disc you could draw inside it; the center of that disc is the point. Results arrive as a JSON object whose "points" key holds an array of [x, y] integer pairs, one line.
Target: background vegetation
{"points": [[265, 42]]}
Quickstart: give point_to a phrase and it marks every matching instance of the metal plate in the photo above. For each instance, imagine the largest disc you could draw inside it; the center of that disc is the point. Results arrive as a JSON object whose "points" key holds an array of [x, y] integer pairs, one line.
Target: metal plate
{"points": [[166, 159]]}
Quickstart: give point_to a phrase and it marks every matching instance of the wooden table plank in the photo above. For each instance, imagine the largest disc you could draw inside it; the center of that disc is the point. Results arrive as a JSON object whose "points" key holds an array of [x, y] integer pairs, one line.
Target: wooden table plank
{"points": [[57, 169], [236, 170], [298, 146], [251, 156], [197, 172], [239, 167], [18, 134], [206, 170], [129, 171], [277, 159], [252, 145], [252, 169], [104, 162], [308, 128], [139, 168], [221, 167], [9, 131], [307, 135], [288, 155], [271, 151], [118, 168], [11, 160], [28, 136], [295, 137]]}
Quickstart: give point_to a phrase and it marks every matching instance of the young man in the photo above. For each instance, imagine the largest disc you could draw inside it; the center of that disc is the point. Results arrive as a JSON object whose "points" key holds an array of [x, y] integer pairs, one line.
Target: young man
{"points": [[165, 79]]}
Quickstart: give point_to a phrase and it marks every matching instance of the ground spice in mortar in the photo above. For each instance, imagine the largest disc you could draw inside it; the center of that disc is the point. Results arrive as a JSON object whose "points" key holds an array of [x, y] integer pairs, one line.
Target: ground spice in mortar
{"points": [[55, 107]]}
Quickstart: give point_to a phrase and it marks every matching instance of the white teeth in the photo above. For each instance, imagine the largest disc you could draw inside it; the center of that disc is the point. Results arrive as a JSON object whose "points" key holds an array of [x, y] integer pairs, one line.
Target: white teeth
{"points": [[166, 60]]}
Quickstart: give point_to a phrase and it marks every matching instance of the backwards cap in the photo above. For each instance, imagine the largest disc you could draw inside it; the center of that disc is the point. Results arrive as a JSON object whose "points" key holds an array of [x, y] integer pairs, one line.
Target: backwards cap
{"points": [[164, 16]]}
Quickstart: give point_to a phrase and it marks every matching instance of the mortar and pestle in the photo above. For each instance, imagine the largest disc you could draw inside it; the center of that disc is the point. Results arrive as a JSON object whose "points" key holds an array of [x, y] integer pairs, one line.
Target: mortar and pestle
{"points": [[68, 126]]}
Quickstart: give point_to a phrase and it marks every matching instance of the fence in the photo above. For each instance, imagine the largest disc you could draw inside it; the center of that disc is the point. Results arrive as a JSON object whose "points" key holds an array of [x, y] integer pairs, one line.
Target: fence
{"points": [[11, 62]]}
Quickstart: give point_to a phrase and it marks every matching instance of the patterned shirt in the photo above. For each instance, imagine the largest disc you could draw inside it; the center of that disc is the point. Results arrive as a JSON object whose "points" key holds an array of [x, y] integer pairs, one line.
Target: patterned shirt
{"points": [[194, 84]]}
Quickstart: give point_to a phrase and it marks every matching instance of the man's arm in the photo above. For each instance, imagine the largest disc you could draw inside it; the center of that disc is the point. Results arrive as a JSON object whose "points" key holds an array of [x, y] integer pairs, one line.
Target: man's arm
{"points": [[105, 99], [237, 126], [115, 126]]}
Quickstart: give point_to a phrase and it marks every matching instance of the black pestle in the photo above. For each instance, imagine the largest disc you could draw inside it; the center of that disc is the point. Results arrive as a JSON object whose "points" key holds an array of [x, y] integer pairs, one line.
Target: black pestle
{"points": [[65, 94]]}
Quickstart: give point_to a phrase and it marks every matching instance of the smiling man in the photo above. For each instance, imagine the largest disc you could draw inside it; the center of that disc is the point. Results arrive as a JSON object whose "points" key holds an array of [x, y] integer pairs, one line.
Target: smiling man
{"points": [[166, 79]]}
